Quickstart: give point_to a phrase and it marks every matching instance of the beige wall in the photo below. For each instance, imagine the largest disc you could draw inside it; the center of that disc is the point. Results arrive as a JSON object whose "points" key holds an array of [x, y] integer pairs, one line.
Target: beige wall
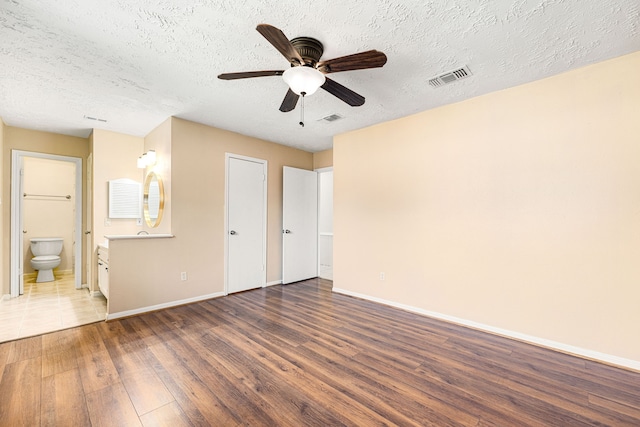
{"points": [[114, 157], [323, 159], [160, 140], [198, 158], [146, 273], [36, 141], [49, 216], [518, 210]]}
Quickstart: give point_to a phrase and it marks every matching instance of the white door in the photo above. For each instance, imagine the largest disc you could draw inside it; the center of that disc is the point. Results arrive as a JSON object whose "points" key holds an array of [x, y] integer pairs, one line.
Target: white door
{"points": [[299, 225], [246, 223]]}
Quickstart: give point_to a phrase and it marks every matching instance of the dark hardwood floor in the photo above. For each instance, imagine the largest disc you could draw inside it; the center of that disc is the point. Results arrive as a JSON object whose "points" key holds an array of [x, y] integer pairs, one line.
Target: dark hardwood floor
{"points": [[299, 355]]}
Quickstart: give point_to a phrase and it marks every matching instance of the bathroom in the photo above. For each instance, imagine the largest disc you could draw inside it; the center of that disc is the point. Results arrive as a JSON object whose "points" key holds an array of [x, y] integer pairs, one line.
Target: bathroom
{"points": [[48, 209]]}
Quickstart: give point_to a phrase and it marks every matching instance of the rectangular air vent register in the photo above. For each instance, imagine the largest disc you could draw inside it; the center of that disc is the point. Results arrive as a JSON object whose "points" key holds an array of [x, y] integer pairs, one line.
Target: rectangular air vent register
{"points": [[450, 77]]}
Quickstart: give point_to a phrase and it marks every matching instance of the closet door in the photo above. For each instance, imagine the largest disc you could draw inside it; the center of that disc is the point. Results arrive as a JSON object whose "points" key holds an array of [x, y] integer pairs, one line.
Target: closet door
{"points": [[246, 223]]}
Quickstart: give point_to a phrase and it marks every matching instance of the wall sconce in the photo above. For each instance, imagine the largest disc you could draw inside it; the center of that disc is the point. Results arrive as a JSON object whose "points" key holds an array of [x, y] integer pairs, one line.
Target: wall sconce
{"points": [[147, 159]]}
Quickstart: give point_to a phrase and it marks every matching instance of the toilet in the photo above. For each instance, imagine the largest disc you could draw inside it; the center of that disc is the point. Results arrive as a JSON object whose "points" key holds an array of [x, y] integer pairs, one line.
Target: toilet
{"points": [[47, 257]]}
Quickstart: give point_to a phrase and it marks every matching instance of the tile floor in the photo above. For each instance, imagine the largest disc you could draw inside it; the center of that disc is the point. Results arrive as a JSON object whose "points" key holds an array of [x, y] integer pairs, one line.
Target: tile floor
{"points": [[50, 306]]}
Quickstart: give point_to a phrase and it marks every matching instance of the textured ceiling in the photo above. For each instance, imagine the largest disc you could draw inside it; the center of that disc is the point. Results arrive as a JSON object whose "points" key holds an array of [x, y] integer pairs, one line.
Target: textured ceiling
{"points": [[134, 63]]}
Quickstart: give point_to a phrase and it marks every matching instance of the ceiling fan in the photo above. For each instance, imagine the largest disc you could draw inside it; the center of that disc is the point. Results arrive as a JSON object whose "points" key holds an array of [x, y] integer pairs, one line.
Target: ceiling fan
{"points": [[307, 72]]}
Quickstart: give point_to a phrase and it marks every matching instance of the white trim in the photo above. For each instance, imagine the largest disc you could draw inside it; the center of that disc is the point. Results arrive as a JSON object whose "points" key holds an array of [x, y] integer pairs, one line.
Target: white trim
{"points": [[274, 283], [326, 169], [565, 348], [16, 225], [137, 236], [265, 169], [5, 297], [16, 205], [112, 316]]}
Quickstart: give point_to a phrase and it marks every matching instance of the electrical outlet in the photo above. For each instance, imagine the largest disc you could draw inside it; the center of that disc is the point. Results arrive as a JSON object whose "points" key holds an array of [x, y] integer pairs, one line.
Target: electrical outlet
{"points": [[381, 275], [183, 276], [107, 222]]}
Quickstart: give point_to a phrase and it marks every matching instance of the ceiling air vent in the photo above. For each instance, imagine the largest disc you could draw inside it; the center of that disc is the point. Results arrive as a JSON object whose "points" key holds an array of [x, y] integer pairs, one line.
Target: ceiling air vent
{"points": [[332, 118], [95, 118], [450, 77]]}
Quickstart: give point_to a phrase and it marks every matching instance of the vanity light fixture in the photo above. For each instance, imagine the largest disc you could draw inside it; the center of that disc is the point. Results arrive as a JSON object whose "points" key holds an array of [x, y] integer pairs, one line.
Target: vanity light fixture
{"points": [[147, 159], [151, 157]]}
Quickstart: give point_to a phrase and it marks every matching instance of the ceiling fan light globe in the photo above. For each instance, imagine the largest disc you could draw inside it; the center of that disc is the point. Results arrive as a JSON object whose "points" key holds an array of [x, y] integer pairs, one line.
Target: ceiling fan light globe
{"points": [[303, 79]]}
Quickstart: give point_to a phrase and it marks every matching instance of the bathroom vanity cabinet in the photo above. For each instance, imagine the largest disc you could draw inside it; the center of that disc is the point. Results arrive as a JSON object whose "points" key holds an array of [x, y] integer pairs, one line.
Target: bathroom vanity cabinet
{"points": [[130, 273], [103, 270]]}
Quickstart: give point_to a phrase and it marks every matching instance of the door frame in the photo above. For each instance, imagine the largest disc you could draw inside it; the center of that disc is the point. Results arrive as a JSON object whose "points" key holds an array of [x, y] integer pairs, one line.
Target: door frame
{"points": [[320, 171], [88, 237], [227, 159], [17, 261]]}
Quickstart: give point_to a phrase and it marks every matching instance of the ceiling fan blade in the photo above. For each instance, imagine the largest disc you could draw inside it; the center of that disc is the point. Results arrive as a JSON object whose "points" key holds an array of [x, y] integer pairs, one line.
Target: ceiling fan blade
{"points": [[345, 94], [280, 42], [249, 74], [289, 102], [357, 61]]}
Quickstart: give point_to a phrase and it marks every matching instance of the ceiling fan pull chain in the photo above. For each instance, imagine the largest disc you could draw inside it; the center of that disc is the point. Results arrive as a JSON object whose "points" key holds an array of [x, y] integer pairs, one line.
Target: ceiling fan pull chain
{"points": [[302, 109]]}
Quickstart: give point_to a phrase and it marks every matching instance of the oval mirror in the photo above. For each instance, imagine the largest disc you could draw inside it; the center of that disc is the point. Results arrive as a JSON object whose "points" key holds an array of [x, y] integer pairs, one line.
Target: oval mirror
{"points": [[153, 199]]}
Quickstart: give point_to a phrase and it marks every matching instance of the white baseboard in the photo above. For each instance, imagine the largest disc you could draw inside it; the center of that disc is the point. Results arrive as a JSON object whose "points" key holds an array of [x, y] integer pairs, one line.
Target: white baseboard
{"points": [[565, 348], [112, 316], [5, 297], [275, 282]]}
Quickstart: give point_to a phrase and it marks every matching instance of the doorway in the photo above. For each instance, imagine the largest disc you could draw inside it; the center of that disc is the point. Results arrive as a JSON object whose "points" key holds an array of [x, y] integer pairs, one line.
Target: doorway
{"points": [[73, 241], [246, 223], [41, 307], [325, 223], [307, 214]]}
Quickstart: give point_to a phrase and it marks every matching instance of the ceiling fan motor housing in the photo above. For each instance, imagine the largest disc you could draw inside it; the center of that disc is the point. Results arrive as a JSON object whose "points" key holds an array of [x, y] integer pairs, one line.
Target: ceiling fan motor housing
{"points": [[309, 49]]}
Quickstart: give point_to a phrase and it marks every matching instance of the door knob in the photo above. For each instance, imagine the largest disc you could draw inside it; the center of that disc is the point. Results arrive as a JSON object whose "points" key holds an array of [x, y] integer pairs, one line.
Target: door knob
{"points": [[24, 231], [287, 231], [233, 232]]}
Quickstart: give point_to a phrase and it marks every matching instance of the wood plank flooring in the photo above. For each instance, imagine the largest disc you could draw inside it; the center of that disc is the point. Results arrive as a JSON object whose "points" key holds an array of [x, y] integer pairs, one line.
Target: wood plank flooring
{"points": [[299, 355]]}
